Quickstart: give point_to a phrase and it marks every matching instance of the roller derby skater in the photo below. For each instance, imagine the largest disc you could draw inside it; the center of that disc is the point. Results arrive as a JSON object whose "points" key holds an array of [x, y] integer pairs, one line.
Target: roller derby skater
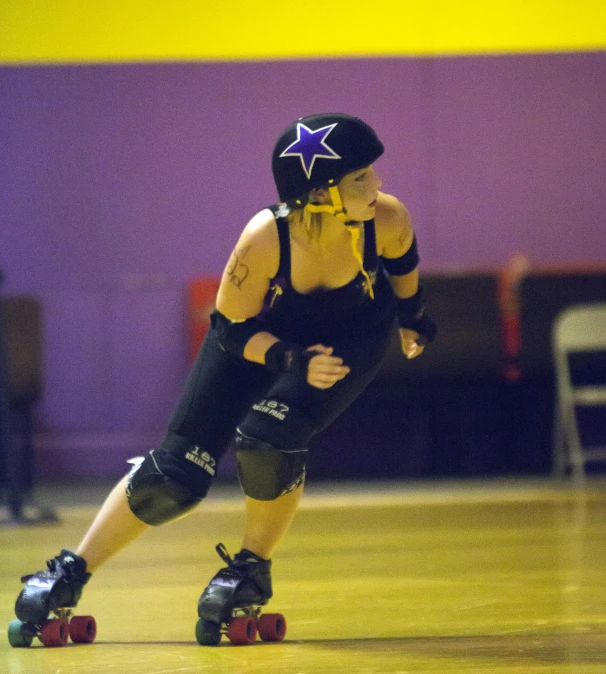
{"points": [[304, 317]]}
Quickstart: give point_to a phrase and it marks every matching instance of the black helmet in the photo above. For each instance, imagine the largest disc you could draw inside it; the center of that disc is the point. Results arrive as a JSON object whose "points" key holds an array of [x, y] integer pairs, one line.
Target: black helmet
{"points": [[318, 150]]}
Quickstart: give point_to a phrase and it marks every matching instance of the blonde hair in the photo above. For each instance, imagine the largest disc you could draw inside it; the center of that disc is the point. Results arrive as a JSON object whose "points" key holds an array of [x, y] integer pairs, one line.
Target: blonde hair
{"points": [[310, 223]]}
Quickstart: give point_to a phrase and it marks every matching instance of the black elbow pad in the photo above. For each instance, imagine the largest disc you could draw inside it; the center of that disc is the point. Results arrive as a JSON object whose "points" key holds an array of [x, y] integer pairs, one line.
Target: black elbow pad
{"points": [[400, 266], [233, 337]]}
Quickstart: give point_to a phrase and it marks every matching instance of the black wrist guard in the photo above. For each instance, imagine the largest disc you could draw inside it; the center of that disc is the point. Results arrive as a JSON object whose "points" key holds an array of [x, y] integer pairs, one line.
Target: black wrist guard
{"points": [[285, 357], [411, 315]]}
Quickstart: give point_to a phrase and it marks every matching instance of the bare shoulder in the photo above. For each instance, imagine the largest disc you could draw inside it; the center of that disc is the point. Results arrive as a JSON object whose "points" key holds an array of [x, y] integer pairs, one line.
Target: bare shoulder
{"points": [[252, 264], [259, 243], [393, 226]]}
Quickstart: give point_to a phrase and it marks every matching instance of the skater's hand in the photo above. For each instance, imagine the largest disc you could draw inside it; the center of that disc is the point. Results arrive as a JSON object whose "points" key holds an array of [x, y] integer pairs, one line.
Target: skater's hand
{"points": [[325, 370], [408, 341]]}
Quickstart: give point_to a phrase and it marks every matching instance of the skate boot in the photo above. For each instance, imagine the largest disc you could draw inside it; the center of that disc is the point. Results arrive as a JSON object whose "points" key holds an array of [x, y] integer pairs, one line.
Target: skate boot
{"points": [[54, 591], [231, 604]]}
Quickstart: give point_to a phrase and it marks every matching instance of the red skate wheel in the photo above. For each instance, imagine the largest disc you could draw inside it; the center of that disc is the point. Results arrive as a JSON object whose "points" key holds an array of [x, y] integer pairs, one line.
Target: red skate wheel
{"points": [[272, 627], [83, 629], [54, 632], [242, 631]]}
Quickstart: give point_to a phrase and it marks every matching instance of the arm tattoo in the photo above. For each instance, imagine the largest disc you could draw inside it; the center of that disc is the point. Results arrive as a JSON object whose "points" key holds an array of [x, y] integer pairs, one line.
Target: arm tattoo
{"points": [[236, 269]]}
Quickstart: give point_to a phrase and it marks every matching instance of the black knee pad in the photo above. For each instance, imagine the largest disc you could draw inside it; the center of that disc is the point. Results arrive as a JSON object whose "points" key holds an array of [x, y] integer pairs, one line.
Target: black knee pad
{"points": [[164, 486], [266, 472]]}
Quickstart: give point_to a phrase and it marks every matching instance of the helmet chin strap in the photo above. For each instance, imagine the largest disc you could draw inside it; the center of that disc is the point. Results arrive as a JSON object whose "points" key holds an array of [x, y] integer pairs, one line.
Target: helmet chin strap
{"points": [[336, 209]]}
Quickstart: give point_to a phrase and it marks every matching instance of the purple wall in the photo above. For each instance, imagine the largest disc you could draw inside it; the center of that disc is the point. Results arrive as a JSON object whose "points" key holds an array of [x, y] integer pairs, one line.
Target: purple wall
{"points": [[119, 183]]}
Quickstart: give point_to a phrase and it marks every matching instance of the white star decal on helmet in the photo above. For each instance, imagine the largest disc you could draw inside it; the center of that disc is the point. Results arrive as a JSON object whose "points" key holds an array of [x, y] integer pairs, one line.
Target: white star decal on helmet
{"points": [[311, 145]]}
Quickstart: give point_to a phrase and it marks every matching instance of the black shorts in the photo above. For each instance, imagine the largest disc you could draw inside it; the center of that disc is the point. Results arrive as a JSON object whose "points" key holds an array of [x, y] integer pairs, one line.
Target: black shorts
{"points": [[224, 393]]}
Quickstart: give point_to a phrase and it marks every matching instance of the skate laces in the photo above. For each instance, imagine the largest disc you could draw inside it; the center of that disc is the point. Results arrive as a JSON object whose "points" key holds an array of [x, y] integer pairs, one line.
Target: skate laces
{"points": [[53, 567], [244, 563], [247, 565], [222, 551], [70, 565], [231, 568]]}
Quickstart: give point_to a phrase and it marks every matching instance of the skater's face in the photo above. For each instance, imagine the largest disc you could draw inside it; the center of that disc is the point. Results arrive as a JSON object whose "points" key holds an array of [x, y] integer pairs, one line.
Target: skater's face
{"points": [[359, 192]]}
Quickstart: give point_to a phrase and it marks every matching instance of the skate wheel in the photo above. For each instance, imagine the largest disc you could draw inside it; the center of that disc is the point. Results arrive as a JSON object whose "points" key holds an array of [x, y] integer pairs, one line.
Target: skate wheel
{"points": [[208, 633], [54, 632], [242, 631], [17, 638], [272, 627], [83, 629]]}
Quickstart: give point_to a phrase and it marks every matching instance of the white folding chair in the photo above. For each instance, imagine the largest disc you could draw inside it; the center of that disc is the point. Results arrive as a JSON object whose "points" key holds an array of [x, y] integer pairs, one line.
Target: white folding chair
{"points": [[580, 328]]}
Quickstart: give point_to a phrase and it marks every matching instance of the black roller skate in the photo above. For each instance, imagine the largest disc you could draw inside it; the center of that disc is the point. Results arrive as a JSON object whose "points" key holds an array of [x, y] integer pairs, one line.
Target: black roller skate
{"points": [[55, 591], [231, 604]]}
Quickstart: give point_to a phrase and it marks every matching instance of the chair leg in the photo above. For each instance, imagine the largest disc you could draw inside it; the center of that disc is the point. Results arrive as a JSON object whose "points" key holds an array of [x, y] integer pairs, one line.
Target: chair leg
{"points": [[560, 460], [577, 461]]}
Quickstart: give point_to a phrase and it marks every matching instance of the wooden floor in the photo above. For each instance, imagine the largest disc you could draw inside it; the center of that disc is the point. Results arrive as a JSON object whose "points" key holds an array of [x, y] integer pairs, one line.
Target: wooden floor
{"points": [[493, 578]]}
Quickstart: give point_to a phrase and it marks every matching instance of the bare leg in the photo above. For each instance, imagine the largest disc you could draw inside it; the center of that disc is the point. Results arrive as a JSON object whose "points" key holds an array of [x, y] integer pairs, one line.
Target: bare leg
{"points": [[112, 529], [115, 526], [266, 522]]}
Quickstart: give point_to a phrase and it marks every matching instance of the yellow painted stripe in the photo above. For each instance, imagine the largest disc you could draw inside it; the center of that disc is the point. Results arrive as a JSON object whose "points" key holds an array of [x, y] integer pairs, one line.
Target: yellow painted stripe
{"points": [[144, 30]]}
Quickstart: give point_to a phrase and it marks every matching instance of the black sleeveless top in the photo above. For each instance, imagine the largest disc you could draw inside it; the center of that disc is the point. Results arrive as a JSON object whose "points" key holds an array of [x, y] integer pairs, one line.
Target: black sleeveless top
{"points": [[325, 315]]}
